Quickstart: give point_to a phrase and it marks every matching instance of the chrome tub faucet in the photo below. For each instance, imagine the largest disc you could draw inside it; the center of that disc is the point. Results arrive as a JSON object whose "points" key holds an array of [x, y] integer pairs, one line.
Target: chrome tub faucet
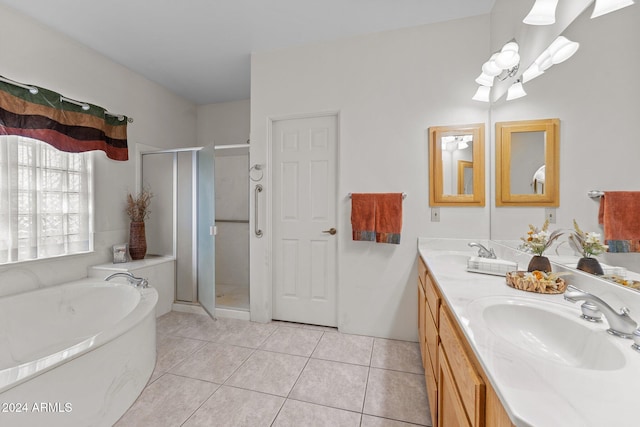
{"points": [[135, 281], [620, 324]]}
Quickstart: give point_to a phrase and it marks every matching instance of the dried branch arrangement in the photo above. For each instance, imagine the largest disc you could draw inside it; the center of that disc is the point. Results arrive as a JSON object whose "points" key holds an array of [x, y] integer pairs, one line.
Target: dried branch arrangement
{"points": [[138, 206]]}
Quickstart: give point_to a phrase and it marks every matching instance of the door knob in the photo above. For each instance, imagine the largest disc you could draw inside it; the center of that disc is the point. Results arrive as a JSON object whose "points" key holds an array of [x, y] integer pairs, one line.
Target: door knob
{"points": [[331, 231]]}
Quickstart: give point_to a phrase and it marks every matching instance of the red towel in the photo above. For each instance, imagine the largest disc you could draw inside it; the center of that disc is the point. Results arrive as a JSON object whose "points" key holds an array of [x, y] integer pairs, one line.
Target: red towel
{"points": [[388, 217], [363, 219], [376, 217], [619, 215]]}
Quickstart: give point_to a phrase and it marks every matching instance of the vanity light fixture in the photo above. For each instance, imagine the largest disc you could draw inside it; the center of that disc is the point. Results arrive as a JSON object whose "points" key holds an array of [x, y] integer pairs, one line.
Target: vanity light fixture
{"points": [[543, 12], [508, 56], [516, 91], [482, 94], [562, 49], [605, 6], [531, 73]]}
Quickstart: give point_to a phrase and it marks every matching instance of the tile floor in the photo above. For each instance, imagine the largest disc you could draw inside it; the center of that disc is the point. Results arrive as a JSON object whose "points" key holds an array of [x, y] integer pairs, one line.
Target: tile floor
{"points": [[238, 373]]}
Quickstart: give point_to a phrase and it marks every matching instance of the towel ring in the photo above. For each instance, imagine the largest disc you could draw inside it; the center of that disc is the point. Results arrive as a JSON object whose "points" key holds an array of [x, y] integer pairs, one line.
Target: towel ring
{"points": [[257, 167]]}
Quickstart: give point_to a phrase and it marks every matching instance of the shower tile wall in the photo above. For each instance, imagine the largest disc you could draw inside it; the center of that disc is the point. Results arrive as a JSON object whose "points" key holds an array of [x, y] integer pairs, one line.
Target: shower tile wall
{"points": [[232, 240]]}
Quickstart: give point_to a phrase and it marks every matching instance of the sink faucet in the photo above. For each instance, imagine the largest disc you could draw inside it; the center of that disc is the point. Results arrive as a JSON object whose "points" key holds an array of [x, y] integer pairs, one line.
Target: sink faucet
{"points": [[135, 281], [620, 324], [482, 251]]}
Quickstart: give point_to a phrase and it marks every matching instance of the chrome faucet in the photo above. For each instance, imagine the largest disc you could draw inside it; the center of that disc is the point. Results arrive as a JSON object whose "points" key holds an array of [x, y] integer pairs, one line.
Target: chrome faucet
{"points": [[483, 252], [620, 324], [135, 281]]}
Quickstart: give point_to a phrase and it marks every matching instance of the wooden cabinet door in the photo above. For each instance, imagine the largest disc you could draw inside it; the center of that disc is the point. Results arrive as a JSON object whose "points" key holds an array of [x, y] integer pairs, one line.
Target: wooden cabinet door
{"points": [[451, 411], [422, 312]]}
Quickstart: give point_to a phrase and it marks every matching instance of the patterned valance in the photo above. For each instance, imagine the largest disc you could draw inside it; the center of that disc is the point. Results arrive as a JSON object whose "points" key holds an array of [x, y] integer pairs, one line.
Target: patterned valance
{"points": [[62, 124]]}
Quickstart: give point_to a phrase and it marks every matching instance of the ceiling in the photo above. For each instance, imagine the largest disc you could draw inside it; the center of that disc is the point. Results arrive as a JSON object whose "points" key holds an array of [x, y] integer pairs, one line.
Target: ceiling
{"points": [[200, 49]]}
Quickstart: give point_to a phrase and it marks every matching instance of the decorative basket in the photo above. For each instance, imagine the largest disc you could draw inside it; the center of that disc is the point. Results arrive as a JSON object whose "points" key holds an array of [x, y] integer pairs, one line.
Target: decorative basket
{"points": [[531, 282]]}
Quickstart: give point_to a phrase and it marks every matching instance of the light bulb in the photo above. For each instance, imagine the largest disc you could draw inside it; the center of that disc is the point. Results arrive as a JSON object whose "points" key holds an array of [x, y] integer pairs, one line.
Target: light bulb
{"points": [[516, 91], [562, 49], [482, 94], [543, 12], [484, 80]]}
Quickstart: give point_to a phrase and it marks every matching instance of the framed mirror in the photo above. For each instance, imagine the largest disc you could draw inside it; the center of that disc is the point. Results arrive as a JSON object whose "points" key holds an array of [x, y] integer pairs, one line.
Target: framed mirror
{"points": [[456, 165], [527, 163]]}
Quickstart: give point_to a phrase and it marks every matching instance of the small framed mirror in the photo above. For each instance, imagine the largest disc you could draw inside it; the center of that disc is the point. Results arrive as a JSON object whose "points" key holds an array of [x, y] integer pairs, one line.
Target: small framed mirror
{"points": [[456, 165], [527, 163]]}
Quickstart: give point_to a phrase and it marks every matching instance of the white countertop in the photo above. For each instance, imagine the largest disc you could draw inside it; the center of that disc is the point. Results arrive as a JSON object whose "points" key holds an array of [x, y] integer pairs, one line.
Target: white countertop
{"points": [[534, 390]]}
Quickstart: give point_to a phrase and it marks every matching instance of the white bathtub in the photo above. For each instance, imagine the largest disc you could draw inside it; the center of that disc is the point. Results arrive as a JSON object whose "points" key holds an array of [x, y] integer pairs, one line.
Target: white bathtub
{"points": [[76, 354]]}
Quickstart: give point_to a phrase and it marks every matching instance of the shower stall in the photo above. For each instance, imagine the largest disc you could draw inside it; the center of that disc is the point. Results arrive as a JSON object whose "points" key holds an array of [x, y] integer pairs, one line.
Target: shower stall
{"points": [[232, 225]]}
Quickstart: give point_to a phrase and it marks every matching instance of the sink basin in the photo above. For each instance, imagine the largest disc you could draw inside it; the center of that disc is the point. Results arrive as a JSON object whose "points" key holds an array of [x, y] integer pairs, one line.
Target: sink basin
{"points": [[450, 257], [547, 330]]}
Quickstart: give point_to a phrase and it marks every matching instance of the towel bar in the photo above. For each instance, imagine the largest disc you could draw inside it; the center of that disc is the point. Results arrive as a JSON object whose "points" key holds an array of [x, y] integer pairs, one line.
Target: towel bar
{"points": [[404, 195], [595, 194]]}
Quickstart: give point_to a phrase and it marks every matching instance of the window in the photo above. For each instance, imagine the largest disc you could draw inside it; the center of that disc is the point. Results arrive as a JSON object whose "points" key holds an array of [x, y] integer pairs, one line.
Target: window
{"points": [[46, 201]]}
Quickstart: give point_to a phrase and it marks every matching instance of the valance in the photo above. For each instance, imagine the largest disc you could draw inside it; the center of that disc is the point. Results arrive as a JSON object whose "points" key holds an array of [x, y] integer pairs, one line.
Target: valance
{"points": [[67, 126]]}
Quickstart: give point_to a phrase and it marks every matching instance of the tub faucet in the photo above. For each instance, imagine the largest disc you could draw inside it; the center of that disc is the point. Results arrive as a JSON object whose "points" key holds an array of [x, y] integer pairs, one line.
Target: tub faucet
{"points": [[135, 281], [482, 251], [620, 324]]}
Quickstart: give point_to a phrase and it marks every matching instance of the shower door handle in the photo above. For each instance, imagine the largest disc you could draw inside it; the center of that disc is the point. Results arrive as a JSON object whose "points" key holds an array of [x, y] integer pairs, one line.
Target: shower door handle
{"points": [[258, 190]]}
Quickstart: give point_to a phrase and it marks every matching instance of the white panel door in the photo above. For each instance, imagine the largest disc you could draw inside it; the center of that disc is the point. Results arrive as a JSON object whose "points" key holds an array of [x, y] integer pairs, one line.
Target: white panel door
{"points": [[304, 220]]}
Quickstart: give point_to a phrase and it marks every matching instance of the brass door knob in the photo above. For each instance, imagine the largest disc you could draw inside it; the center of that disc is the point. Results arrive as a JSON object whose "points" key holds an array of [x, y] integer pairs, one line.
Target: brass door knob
{"points": [[331, 231]]}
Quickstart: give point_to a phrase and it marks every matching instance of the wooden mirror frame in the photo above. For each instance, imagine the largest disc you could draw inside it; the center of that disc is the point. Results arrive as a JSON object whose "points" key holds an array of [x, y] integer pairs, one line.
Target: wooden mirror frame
{"points": [[551, 195], [436, 191]]}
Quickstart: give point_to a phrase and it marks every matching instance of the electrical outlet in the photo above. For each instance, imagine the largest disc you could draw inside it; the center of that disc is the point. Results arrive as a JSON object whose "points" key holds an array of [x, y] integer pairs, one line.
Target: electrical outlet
{"points": [[550, 214], [435, 214]]}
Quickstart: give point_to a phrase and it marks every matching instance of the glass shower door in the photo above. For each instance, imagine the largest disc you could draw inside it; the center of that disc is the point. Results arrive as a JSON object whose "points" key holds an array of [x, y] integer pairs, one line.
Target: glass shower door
{"points": [[206, 225]]}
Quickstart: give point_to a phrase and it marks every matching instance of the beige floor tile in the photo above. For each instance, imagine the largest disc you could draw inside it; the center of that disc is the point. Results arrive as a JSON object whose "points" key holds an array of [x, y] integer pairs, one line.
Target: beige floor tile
{"points": [[190, 325], [371, 421], [335, 384], [297, 341], [397, 355], [268, 372], [397, 395], [231, 407], [345, 348], [295, 414], [244, 333], [214, 362], [168, 401], [172, 350]]}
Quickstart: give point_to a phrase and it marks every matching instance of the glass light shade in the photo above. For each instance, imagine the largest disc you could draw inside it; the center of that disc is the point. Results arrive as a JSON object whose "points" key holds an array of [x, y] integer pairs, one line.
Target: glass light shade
{"points": [[531, 73], [605, 6], [490, 68], [562, 49], [507, 59], [543, 12], [544, 60], [482, 94], [516, 91], [485, 80]]}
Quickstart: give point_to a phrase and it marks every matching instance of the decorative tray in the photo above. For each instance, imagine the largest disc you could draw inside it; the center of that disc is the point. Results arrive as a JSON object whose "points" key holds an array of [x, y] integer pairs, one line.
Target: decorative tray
{"points": [[536, 281]]}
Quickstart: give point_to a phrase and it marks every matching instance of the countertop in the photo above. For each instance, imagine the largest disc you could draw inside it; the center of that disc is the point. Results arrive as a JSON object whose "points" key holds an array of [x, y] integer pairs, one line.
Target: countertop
{"points": [[535, 390]]}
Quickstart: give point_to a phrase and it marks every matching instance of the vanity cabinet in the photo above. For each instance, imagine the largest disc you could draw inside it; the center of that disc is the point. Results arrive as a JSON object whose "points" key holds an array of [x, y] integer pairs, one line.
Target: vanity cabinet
{"points": [[458, 390]]}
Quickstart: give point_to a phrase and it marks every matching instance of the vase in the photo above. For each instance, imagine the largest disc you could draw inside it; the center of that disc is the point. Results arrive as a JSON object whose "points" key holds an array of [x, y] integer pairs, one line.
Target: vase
{"points": [[137, 240], [539, 263], [590, 265]]}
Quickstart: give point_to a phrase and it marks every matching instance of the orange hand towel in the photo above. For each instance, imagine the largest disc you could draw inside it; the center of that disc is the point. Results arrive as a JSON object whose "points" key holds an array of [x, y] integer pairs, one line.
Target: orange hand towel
{"points": [[363, 210], [388, 217], [619, 215]]}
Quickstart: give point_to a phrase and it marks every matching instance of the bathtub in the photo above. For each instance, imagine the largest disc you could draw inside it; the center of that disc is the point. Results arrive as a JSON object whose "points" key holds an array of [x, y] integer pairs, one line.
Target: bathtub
{"points": [[77, 354]]}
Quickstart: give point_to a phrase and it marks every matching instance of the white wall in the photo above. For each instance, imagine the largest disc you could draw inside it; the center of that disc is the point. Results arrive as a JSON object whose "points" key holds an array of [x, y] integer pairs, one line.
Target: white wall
{"points": [[595, 94], [35, 54], [388, 89]]}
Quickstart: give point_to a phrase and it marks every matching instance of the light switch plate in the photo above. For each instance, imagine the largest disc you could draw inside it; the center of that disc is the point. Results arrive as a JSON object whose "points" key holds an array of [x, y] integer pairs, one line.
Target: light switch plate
{"points": [[550, 214], [435, 214]]}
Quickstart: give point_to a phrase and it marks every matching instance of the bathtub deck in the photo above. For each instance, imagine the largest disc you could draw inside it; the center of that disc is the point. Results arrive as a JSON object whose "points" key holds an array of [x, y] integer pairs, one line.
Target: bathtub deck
{"points": [[234, 372]]}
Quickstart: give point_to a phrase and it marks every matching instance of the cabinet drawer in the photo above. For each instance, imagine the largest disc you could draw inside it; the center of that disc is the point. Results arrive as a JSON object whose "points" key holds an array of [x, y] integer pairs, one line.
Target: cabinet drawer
{"points": [[433, 298], [422, 270], [451, 411], [470, 386], [431, 377]]}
